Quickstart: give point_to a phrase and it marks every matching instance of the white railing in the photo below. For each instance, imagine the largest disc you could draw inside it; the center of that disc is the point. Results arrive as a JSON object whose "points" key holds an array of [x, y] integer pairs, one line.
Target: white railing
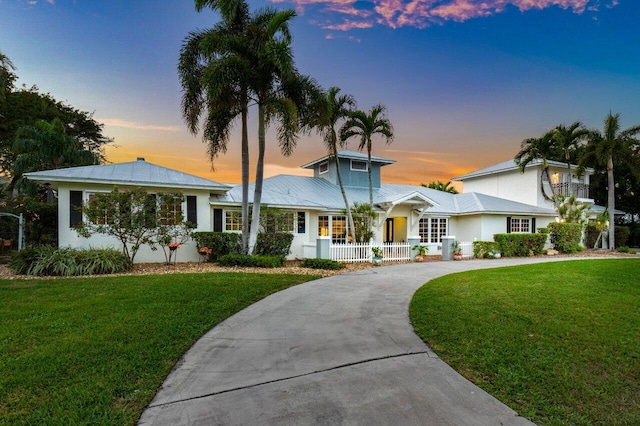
{"points": [[467, 250], [351, 253]]}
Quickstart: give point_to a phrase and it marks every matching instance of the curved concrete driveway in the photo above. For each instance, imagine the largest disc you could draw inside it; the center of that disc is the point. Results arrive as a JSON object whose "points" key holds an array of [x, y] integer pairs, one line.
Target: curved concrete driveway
{"points": [[338, 350]]}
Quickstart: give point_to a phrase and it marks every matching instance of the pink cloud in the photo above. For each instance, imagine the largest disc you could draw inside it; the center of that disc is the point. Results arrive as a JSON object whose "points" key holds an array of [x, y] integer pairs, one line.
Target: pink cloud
{"points": [[421, 13]]}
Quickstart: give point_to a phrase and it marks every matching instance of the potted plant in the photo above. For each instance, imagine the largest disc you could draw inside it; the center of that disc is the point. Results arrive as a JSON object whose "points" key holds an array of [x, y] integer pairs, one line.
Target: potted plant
{"points": [[377, 256], [422, 252], [456, 250]]}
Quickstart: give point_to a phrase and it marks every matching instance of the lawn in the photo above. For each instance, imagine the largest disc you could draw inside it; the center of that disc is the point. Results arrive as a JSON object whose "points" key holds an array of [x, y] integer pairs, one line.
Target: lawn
{"points": [[94, 351], [557, 342]]}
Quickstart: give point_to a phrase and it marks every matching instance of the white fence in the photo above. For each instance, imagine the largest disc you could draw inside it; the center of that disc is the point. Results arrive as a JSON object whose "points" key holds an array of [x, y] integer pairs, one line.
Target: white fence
{"points": [[352, 253], [467, 250]]}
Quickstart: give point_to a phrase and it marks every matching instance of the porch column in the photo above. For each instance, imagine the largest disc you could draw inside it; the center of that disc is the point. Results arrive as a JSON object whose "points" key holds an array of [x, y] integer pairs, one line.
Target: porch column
{"points": [[322, 248], [413, 241], [447, 243]]}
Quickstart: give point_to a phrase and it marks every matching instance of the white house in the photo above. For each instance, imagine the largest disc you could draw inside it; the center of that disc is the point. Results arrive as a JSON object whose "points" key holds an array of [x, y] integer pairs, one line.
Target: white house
{"points": [[406, 214]]}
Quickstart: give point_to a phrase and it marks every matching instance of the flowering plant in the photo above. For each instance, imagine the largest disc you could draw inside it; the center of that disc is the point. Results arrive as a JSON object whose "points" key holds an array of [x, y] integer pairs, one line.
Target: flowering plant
{"points": [[174, 245], [205, 250]]}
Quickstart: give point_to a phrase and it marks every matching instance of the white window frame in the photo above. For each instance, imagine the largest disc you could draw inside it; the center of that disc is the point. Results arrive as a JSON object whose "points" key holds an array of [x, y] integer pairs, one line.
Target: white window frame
{"points": [[324, 165], [355, 169], [431, 237], [330, 228], [238, 217], [87, 198], [517, 225]]}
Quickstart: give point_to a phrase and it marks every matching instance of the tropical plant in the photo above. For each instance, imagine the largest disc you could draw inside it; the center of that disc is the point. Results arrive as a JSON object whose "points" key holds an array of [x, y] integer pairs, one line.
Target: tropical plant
{"points": [[366, 126], [534, 149], [6, 76], [571, 210], [46, 146], [441, 186], [330, 109], [363, 216], [377, 252], [567, 140], [456, 248], [605, 147], [422, 250]]}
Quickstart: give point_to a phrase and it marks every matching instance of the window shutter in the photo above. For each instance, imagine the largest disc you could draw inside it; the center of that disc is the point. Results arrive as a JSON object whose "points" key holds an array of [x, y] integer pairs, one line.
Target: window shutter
{"points": [[217, 220], [75, 208], [192, 209], [508, 225], [533, 225], [301, 223]]}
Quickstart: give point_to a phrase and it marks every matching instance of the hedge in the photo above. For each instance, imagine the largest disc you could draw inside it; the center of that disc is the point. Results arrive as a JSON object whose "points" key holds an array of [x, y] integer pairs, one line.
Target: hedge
{"points": [[274, 244], [565, 237], [520, 245], [622, 235], [485, 249], [314, 263], [250, 261], [220, 243]]}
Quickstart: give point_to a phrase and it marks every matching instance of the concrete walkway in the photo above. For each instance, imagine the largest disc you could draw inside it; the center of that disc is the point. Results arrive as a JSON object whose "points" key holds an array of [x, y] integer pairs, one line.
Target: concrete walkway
{"points": [[338, 350]]}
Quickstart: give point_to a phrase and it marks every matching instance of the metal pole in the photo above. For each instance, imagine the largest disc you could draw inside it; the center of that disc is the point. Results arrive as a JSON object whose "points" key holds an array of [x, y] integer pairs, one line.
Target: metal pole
{"points": [[20, 231]]}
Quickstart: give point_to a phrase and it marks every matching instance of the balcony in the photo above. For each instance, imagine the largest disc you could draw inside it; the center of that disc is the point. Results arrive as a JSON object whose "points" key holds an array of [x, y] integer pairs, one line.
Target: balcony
{"points": [[580, 190]]}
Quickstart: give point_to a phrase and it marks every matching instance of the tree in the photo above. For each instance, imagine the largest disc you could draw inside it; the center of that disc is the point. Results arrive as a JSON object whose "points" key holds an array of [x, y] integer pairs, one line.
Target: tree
{"points": [[7, 77], [603, 149], [366, 126], [46, 146], [441, 186], [332, 108], [363, 217], [567, 140], [534, 149]]}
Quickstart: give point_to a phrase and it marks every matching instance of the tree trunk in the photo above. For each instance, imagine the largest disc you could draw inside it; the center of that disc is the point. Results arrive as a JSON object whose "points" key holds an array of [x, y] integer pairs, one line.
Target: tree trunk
{"points": [[257, 192], [369, 173], [245, 178], [611, 193], [545, 171], [570, 189], [351, 229]]}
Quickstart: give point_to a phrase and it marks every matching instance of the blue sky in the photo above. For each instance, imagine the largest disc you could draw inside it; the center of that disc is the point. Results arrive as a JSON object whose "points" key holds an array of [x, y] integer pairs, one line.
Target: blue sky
{"points": [[464, 81]]}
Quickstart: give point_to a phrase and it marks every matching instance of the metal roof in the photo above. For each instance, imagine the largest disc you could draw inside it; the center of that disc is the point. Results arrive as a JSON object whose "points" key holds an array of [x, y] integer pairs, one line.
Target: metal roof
{"points": [[351, 155], [134, 173], [511, 165]]}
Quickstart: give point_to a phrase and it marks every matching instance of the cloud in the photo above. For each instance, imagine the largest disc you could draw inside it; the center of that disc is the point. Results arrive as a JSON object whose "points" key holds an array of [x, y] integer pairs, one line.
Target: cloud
{"points": [[345, 15], [116, 122]]}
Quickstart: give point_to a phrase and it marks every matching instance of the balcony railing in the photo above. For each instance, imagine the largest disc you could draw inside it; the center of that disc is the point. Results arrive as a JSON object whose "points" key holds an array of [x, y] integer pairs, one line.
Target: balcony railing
{"points": [[580, 190]]}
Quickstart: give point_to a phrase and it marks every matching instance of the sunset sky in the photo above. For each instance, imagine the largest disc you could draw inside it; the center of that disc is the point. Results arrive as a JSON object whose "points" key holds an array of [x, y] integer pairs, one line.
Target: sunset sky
{"points": [[464, 81]]}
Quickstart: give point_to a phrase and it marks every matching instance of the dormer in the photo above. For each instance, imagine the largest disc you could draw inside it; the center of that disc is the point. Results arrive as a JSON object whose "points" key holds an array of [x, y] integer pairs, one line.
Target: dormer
{"points": [[353, 169]]}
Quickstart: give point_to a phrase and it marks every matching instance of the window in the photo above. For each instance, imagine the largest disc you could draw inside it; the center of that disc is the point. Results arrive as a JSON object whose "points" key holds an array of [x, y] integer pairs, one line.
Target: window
{"points": [[93, 200], [170, 211], [302, 228], [75, 208], [432, 229], [360, 166], [192, 209], [323, 226], [233, 220], [334, 227], [323, 167], [520, 225]]}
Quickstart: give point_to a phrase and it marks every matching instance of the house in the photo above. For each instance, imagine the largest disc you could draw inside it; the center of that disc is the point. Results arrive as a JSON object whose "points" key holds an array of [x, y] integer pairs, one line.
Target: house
{"points": [[405, 214]]}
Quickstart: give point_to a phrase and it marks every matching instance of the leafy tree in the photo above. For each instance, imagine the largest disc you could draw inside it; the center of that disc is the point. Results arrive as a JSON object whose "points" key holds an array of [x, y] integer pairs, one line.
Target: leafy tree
{"points": [[534, 149], [331, 108], [603, 148], [366, 126], [7, 77], [46, 146], [441, 186]]}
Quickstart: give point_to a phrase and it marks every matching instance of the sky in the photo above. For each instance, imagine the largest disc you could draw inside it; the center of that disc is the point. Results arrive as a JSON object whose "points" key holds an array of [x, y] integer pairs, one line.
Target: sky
{"points": [[463, 81]]}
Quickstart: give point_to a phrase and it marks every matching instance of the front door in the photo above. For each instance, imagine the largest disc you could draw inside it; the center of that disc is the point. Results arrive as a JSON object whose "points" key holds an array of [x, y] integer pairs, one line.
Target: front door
{"points": [[388, 228]]}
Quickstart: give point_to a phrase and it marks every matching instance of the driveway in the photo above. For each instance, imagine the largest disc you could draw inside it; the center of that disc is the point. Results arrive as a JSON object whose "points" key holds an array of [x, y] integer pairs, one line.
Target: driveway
{"points": [[338, 350]]}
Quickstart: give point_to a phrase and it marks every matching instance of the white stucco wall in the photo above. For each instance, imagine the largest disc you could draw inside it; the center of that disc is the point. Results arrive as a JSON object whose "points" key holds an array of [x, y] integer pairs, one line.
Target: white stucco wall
{"points": [[511, 185]]}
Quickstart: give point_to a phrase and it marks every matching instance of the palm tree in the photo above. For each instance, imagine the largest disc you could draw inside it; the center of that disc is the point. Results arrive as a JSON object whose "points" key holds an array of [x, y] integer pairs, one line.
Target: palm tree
{"points": [[6, 75], [567, 140], [441, 186], [603, 148], [331, 109], [534, 149], [46, 146], [366, 126], [213, 83]]}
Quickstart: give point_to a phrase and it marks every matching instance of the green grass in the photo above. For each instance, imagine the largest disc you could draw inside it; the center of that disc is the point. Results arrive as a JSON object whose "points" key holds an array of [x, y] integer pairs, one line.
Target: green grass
{"points": [[94, 351], [557, 342]]}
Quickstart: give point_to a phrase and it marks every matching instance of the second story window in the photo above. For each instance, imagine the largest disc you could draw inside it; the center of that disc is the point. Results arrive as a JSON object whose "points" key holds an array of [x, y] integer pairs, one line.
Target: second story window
{"points": [[323, 167], [360, 166]]}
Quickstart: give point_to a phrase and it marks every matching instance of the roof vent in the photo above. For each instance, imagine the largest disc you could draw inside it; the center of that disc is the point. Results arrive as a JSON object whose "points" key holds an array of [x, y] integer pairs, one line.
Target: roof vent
{"points": [[140, 159]]}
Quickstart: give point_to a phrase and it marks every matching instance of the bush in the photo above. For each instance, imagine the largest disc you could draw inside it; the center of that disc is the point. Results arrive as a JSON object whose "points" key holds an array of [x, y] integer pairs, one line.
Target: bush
{"points": [[220, 243], [485, 249], [274, 244], [565, 237], [623, 249], [51, 261], [622, 234], [520, 245], [591, 234], [245, 260], [322, 264]]}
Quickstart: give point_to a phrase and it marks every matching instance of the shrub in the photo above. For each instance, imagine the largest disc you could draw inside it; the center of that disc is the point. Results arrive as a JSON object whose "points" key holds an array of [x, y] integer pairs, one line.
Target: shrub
{"points": [[245, 260], [220, 243], [591, 234], [623, 249], [520, 245], [485, 249], [622, 234], [274, 244], [322, 264], [565, 237], [51, 261]]}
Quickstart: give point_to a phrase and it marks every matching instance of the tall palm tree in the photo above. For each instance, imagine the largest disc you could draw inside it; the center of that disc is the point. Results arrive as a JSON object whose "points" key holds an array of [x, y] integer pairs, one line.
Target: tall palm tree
{"points": [[534, 149], [613, 144], [6, 75], [46, 146], [567, 140], [366, 126], [332, 108], [214, 84], [441, 186]]}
